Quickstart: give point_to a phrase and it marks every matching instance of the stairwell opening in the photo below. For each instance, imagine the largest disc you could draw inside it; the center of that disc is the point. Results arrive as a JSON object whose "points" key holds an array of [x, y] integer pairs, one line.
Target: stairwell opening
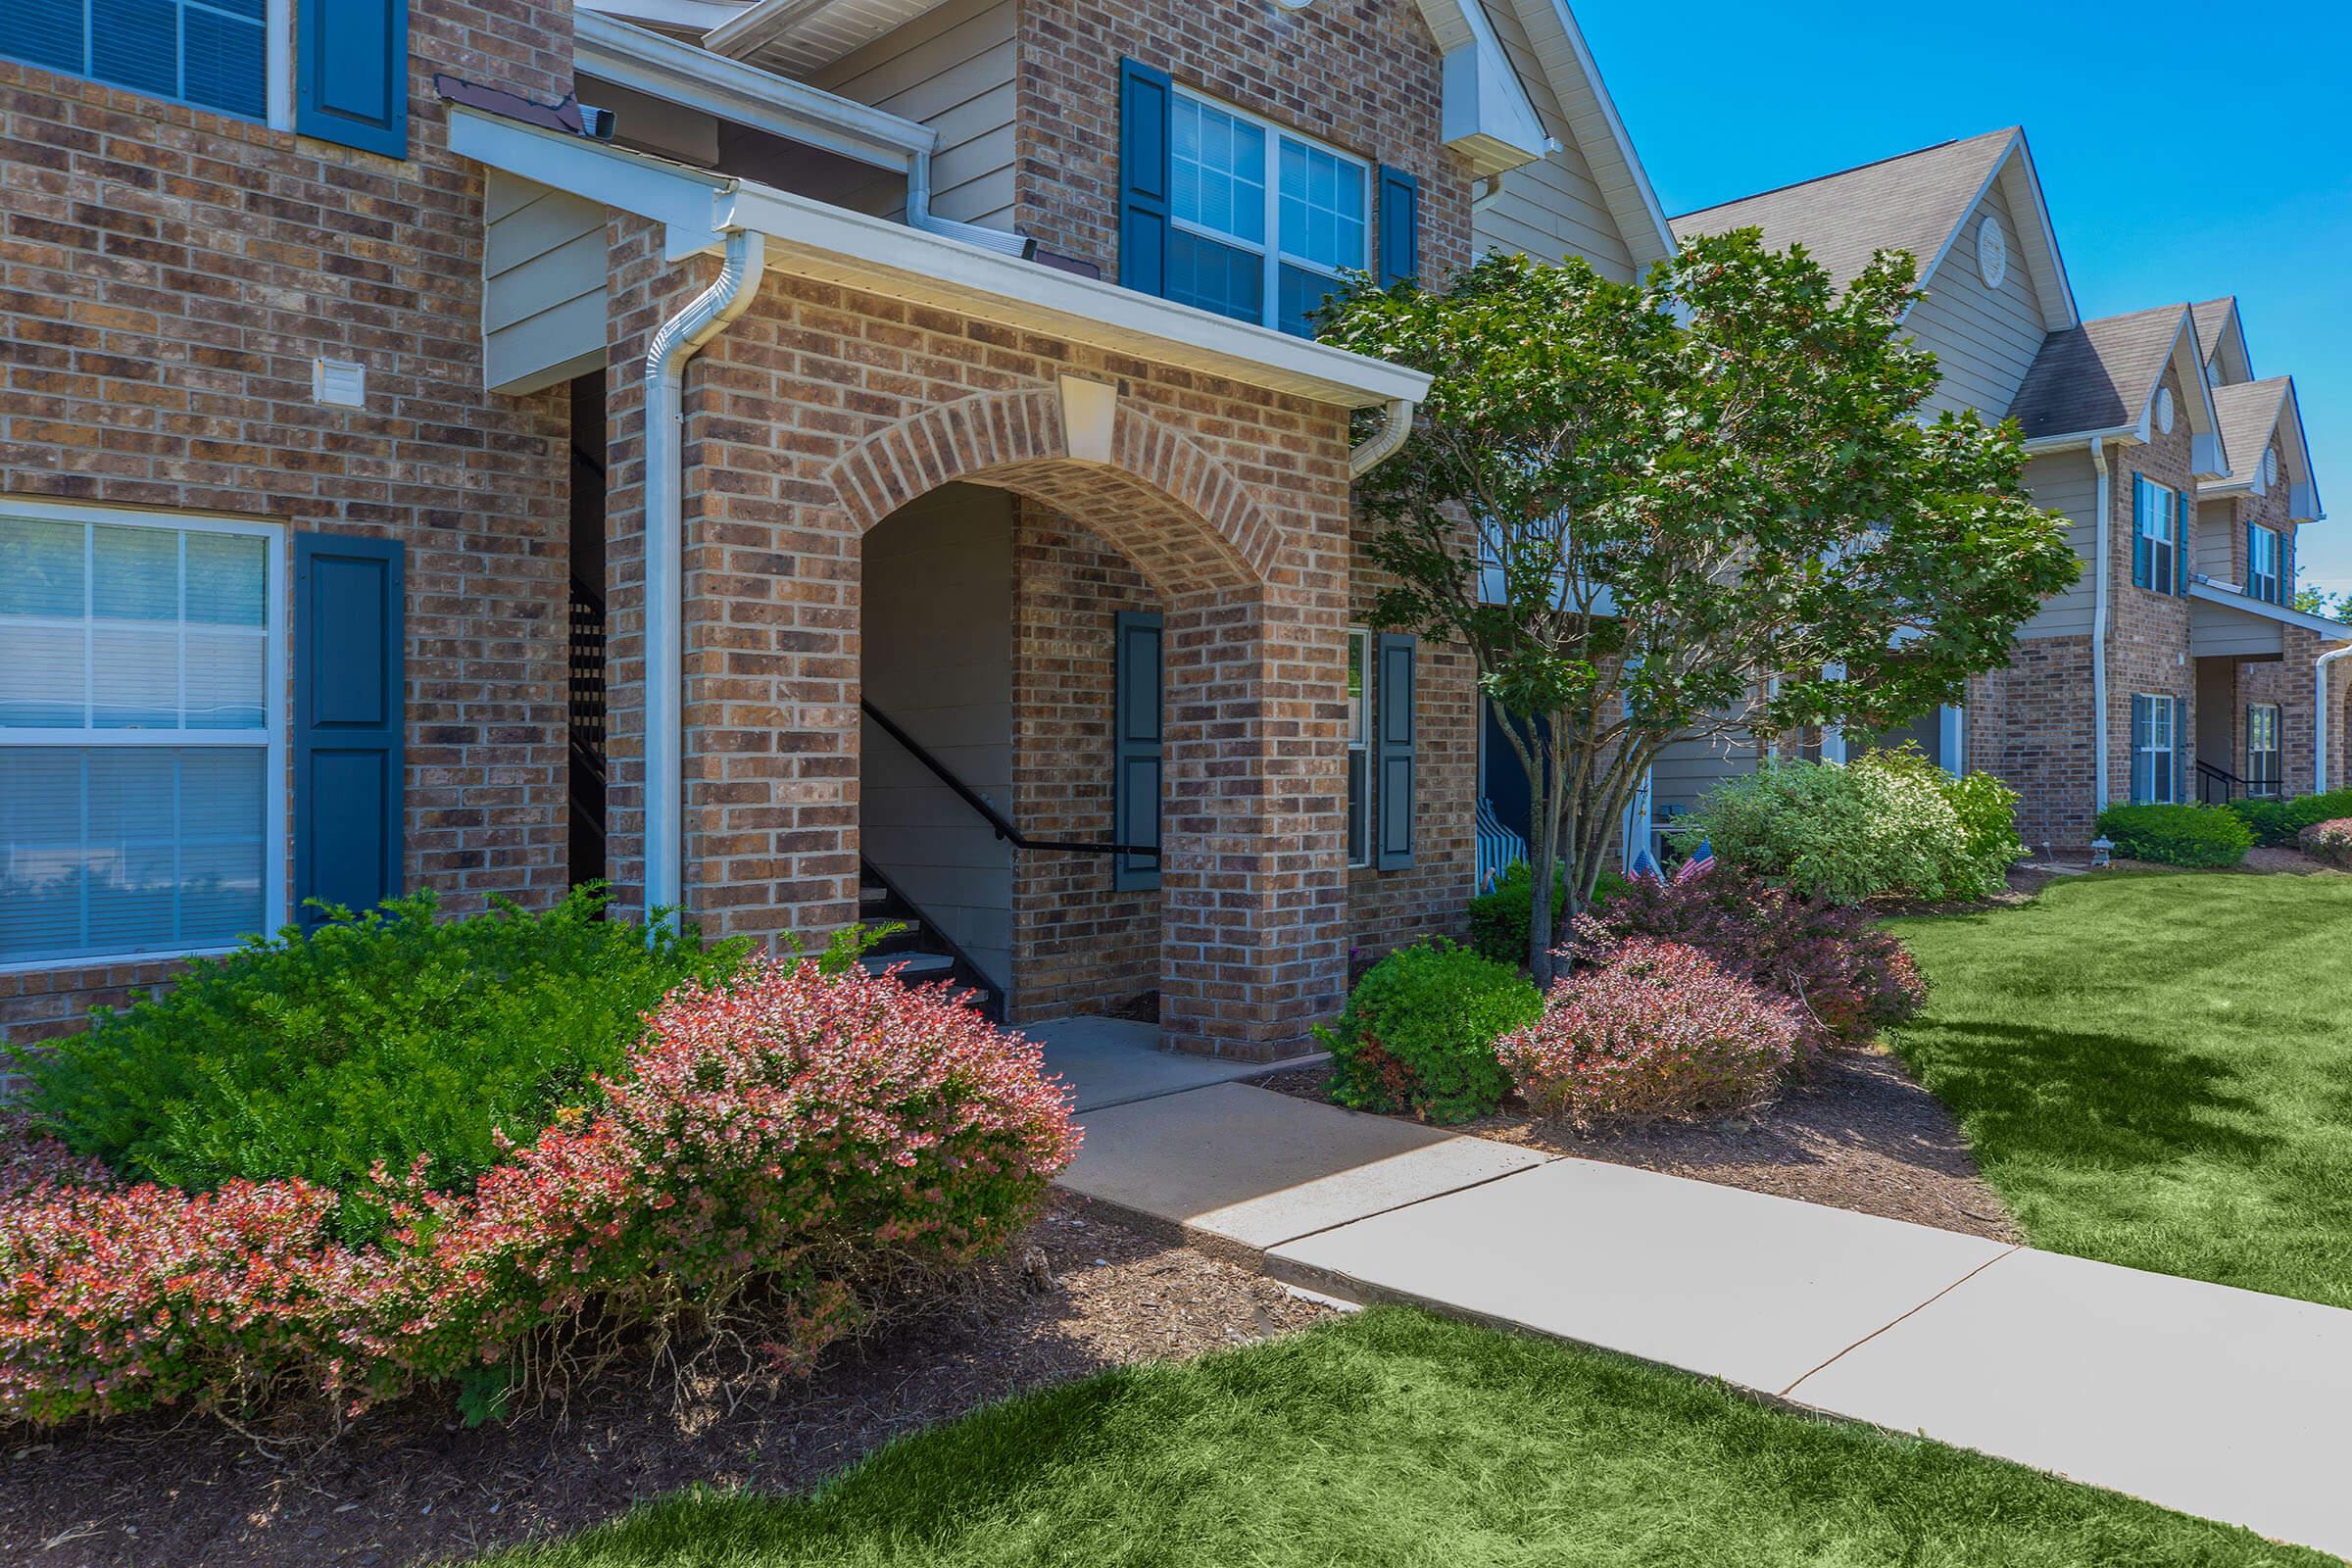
{"points": [[586, 676]]}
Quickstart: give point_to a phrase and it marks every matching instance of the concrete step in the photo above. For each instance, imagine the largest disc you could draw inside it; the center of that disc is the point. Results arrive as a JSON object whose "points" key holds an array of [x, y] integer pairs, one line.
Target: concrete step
{"points": [[910, 965]]}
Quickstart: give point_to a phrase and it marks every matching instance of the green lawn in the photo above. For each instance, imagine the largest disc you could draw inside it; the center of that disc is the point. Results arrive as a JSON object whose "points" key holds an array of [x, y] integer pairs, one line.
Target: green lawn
{"points": [[1397, 1438], [2156, 1070]]}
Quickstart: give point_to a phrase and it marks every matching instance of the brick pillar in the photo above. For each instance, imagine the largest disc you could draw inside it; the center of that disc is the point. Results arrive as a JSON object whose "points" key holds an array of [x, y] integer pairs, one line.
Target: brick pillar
{"points": [[1253, 945]]}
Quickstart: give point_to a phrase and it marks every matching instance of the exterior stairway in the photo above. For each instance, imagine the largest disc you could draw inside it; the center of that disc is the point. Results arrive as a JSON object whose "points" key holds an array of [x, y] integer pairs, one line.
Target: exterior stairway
{"points": [[920, 953]]}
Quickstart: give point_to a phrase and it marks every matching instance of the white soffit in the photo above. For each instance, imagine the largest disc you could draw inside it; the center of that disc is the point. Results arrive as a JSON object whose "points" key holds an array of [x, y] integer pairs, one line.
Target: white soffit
{"points": [[801, 37], [696, 17], [808, 238], [1485, 116]]}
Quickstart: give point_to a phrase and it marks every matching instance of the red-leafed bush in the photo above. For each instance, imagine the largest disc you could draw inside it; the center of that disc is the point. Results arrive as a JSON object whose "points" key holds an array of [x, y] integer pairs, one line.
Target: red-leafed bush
{"points": [[2330, 840], [1847, 978], [1657, 1030], [775, 1144]]}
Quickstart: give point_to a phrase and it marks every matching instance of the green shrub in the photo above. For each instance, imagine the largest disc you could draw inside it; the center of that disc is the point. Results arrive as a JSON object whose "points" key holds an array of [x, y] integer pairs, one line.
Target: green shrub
{"points": [[2177, 835], [1891, 823], [2278, 823], [1500, 917], [384, 1038], [1419, 1033]]}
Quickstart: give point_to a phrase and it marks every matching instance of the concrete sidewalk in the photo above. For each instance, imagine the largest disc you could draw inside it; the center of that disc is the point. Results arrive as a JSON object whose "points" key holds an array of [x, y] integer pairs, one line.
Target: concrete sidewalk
{"points": [[2220, 1402]]}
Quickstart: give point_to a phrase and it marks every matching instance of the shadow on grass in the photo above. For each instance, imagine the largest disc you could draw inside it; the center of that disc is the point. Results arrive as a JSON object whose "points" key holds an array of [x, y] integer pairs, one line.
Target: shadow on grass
{"points": [[2082, 1098]]}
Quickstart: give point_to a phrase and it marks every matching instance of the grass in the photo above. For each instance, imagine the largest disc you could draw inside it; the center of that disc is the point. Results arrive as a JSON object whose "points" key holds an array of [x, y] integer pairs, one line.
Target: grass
{"points": [[1400, 1439], [2156, 1070]]}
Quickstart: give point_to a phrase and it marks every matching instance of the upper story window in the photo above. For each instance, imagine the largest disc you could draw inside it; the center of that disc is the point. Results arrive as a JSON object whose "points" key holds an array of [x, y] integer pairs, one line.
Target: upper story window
{"points": [[211, 53], [1264, 221], [2264, 581], [2158, 562], [140, 663]]}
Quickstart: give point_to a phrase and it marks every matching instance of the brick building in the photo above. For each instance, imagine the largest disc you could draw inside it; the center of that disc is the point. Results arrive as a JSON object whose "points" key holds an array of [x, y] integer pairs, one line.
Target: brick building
{"points": [[2175, 668], [869, 463]]}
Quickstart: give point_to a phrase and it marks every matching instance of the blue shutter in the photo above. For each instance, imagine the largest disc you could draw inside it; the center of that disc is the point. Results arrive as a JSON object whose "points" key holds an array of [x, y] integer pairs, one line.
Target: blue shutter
{"points": [[2251, 536], [349, 707], [2142, 786], [1399, 225], [351, 79], [1135, 747], [2182, 532], [2139, 531], [1144, 180], [2286, 565], [1393, 742]]}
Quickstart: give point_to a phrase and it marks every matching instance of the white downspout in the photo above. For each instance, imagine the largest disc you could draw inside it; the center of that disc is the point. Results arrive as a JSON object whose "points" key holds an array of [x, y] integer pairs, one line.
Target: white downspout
{"points": [[2319, 721], [675, 342], [1382, 444], [2101, 594]]}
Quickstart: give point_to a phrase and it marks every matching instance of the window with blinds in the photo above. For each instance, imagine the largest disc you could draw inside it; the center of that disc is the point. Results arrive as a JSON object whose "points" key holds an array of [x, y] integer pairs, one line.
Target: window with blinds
{"points": [[137, 727], [214, 53]]}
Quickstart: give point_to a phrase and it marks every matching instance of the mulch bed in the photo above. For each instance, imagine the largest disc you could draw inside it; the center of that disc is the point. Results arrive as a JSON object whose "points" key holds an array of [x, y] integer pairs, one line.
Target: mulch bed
{"points": [[412, 1485], [1857, 1134]]}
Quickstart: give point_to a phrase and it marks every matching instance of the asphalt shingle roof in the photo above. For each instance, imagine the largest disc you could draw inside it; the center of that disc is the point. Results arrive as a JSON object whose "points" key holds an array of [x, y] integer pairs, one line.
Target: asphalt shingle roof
{"points": [[2099, 375], [2249, 411], [1911, 203], [2211, 316]]}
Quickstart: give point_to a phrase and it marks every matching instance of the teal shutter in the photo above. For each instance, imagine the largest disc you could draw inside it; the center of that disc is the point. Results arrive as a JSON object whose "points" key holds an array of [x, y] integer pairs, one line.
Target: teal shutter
{"points": [[1399, 225], [1137, 748], [2286, 565], [2141, 501], [1393, 737], [2182, 532], [350, 76], [349, 708], [1145, 179], [2248, 579]]}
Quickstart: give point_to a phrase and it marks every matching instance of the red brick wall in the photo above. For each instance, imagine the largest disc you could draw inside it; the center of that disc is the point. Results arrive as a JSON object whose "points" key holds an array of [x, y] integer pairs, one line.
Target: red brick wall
{"points": [[167, 275], [2029, 726]]}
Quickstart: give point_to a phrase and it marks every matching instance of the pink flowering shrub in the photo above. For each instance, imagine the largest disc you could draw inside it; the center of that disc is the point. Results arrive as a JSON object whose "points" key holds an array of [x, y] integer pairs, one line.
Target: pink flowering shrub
{"points": [[1656, 1030], [2330, 840], [1846, 978], [777, 1143]]}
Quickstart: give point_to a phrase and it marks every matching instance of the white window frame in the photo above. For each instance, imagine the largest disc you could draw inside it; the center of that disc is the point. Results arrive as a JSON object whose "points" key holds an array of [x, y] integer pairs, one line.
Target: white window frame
{"points": [[1360, 650], [2260, 784], [2256, 577], [2156, 705], [273, 716], [2162, 527], [1271, 255]]}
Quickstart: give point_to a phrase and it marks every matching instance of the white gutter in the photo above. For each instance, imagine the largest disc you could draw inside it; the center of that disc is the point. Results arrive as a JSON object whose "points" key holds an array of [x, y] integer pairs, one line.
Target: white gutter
{"points": [[2319, 719], [2102, 597], [1382, 444], [675, 342]]}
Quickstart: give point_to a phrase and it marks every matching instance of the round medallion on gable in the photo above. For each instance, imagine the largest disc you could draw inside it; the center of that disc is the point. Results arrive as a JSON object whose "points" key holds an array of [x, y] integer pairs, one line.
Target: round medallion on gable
{"points": [[1992, 252], [2164, 411], [2270, 468]]}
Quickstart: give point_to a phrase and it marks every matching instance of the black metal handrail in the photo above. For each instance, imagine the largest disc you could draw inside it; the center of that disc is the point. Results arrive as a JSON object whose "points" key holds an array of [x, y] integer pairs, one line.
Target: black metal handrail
{"points": [[2210, 775], [972, 798]]}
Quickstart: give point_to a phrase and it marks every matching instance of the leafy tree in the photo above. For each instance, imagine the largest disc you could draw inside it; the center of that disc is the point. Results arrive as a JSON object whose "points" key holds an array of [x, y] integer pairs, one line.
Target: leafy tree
{"points": [[1706, 505], [2316, 601]]}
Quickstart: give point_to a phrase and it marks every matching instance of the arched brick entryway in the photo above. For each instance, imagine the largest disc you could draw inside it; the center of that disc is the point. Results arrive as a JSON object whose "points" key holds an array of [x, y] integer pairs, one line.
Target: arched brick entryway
{"points": [[1252, 898]]}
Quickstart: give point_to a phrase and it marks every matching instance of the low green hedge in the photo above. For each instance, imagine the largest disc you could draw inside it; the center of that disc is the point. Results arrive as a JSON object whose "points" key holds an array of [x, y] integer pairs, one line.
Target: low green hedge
{"points": [[1500, 917], [2177, 835], [1419, 1033], [2276, 822]]}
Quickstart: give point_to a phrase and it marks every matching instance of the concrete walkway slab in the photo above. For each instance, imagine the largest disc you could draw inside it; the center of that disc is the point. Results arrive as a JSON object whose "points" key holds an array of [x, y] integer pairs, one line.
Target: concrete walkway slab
{"points": [[1248, 1166], [1113, 1061], [2222, 1403], [1726, 1282]]}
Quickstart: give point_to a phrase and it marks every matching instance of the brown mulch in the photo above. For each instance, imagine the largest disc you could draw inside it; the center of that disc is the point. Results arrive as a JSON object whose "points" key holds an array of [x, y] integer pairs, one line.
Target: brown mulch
{"points": [[1857, 1134], [412, 1485]]}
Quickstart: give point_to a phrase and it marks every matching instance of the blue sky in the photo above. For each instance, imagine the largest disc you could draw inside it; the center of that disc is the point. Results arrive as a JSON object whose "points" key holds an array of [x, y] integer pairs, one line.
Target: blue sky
{"points": [[2229, 170]]}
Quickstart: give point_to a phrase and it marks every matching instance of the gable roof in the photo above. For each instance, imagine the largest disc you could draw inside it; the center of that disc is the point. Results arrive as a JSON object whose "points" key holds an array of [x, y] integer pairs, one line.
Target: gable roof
{"points": [[2101, 378], [1574, 77], [1917, 202], [2221, 341], [2251, 414]]}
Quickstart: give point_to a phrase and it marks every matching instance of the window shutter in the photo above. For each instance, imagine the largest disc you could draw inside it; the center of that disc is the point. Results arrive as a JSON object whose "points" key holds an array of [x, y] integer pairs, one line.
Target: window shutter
{"points": [[349, 709], [2183, 511], [2183, 770], [351, 79], [2142, 787], [2139, 531], [1399, 225], [1144, 180], [1392, 738], [2251, 536], [1135, 747], [2286, 565]]}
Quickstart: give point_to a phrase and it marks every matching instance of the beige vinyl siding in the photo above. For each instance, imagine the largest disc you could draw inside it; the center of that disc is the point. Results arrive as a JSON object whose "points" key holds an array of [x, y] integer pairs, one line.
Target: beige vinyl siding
{"points": [[2067, 483], [1689, 767], [2217, 631], [953, 70], [1985, 341], [2217, 552], [543, 284], [1553, 207]]}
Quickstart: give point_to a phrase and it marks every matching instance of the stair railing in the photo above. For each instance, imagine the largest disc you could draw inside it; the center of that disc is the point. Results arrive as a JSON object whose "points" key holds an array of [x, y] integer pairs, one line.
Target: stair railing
{"points": [[997, 821]]}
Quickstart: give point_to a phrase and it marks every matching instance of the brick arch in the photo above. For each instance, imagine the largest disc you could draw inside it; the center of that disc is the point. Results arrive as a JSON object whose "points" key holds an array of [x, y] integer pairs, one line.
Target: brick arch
{"points": [[1172, 507]]}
